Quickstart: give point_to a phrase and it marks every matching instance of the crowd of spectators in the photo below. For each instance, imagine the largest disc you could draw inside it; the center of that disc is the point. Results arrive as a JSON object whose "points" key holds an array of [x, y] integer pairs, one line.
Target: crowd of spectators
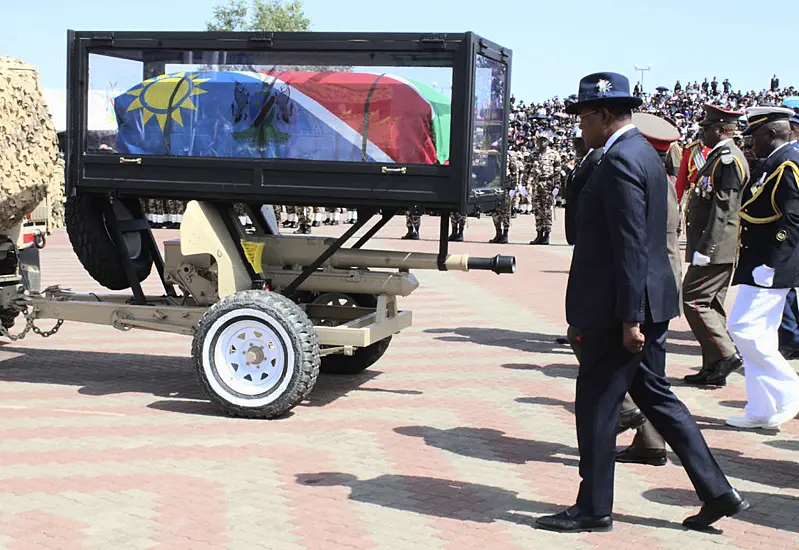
{"points": [[681, 105]]}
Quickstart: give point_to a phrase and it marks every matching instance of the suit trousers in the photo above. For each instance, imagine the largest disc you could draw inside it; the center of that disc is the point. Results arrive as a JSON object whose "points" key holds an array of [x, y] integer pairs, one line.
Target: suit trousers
{"points": [[703, 293], [607, 372], [646, 437], [772, 385], [789, 329]]}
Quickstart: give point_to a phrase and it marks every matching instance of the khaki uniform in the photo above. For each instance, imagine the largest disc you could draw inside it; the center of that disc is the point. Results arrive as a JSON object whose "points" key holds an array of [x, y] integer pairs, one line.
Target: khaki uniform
{"points": [[712, 230], [547, 172], [502, 215]]}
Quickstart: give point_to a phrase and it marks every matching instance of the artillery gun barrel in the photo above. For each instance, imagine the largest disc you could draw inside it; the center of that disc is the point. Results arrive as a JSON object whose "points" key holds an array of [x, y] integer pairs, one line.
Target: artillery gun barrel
{"points": [[419, 260], [302, 251]]}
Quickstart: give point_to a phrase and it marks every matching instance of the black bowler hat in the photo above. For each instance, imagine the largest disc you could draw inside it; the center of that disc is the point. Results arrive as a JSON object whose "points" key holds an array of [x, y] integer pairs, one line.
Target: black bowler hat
{"points": [[604, 87]]}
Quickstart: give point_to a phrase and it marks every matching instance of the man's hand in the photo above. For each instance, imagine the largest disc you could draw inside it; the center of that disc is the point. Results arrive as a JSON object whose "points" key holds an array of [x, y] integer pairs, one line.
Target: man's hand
{"points": [[633, 338], [700, 259], [763, 276]]}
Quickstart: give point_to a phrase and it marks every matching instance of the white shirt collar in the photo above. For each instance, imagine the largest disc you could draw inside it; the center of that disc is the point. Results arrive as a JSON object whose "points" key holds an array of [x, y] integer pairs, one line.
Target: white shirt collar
{"points": [[582, 160], [616, 135], [777, 149]]}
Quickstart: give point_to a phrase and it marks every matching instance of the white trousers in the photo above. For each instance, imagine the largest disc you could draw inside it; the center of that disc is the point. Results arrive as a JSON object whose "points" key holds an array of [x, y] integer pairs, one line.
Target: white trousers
{"points": [[772, 385]]}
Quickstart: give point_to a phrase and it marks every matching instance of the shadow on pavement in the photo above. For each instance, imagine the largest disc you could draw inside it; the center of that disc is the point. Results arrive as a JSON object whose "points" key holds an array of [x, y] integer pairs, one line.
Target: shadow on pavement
{"points": [[685, 335], [785, 445], [781, 474], [532, 342], [547, 401], [768, 510], [683, 349], [171, 378], [733, 404], [450, 499], [488, 444], [553, 371]]}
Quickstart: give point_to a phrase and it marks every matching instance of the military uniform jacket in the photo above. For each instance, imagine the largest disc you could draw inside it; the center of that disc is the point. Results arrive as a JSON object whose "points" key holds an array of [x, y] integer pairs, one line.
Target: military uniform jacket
{"points": [[770, 220], [711, 221], [548, 166]]}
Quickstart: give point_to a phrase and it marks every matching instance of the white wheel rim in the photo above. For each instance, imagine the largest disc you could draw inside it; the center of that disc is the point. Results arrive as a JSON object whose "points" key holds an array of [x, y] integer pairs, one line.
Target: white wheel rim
{"points": [[248, 357]]}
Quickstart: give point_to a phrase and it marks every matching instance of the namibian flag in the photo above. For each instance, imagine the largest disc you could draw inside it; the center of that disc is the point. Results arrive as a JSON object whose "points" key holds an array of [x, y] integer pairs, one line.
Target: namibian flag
{"points": [[334, 116]]}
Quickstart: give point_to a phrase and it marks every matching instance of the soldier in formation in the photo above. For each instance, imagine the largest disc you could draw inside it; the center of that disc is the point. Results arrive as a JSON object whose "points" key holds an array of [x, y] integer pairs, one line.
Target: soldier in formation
{"points": [[547, 167], [502, 215]]}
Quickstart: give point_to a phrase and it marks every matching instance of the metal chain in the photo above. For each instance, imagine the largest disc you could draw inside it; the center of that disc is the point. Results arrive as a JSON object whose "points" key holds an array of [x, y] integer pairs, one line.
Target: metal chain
{"points": [[30, 326]]}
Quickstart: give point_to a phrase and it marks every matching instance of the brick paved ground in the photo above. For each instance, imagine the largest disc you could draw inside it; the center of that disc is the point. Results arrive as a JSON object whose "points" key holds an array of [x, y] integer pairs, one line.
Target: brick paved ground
{"points": [[459, 438]]}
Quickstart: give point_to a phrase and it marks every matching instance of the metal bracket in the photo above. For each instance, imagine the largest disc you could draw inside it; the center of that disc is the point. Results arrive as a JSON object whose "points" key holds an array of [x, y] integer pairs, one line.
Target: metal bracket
{"points": [[267, 40], [443, 242]]}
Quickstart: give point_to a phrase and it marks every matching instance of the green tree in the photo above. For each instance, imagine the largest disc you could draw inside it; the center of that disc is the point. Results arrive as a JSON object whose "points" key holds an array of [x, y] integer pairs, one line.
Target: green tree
{"points": [[266, 16], [260, 15]]}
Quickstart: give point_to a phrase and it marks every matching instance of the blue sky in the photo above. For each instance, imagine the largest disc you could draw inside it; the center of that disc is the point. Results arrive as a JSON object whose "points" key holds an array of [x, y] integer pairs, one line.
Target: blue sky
{"points": [[554, 43]]}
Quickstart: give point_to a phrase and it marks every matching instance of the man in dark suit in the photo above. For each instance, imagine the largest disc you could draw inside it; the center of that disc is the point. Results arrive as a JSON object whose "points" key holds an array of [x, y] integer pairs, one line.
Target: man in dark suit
{"points": [[576, 180], [622, 294]]}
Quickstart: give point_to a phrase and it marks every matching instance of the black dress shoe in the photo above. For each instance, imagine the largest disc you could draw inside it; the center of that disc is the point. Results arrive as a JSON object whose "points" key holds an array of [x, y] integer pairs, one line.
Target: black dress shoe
{"points": [[727, 505], [634, 455], [571, 521], [630, 420], [721, 370], [698, 378]]}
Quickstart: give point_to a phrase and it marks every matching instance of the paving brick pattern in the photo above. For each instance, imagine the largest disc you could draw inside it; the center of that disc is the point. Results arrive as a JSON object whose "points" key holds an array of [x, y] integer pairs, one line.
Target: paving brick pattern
{"points": [[458, 438]]}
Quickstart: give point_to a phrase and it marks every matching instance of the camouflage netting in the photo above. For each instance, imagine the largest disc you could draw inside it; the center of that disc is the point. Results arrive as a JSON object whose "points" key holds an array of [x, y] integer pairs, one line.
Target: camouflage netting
{"points": [[30, 165]]}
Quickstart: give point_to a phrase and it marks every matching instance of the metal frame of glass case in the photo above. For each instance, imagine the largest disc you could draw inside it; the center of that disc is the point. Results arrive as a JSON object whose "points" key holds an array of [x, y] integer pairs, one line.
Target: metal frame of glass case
{"points": [[435, 187]]}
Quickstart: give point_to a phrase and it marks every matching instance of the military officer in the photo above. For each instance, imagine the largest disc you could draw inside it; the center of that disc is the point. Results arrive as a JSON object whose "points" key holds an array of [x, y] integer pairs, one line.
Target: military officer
{"points": [[503, 213], [458, 222], [291, 217], [693, 158], [413, 221], [768, 266], [548, 169], [711, 242], [648, 446], [304, 219]]}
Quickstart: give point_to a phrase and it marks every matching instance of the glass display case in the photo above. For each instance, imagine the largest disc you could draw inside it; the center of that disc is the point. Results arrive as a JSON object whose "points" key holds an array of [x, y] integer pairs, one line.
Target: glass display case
{"points": [[345, 119]]}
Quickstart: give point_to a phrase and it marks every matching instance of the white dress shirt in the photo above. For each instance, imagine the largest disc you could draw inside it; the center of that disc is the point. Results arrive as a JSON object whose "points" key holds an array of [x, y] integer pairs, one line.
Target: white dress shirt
{"points": [[616, 135]]}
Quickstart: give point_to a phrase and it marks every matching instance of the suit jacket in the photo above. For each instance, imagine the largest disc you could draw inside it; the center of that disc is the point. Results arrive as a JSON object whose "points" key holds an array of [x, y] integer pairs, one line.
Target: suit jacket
{"points": [[620, 269], [711, 220], [770, 221], [574, 184]]}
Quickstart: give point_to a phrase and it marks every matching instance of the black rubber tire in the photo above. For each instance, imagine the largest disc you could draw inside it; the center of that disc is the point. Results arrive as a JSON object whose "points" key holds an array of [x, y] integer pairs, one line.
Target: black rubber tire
{"points": [[301, 337], [362, 358], [95, 248]]}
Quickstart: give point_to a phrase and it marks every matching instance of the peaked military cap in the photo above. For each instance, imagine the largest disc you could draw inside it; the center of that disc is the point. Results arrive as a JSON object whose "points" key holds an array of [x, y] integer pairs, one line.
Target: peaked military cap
{"points": [[604, 87], [657, 130], [714, 115], [756, 117]]}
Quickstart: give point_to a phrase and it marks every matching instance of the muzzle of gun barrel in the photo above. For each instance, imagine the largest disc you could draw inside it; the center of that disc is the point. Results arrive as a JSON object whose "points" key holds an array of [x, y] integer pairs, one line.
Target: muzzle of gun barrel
{"points": [[498, 264]]}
